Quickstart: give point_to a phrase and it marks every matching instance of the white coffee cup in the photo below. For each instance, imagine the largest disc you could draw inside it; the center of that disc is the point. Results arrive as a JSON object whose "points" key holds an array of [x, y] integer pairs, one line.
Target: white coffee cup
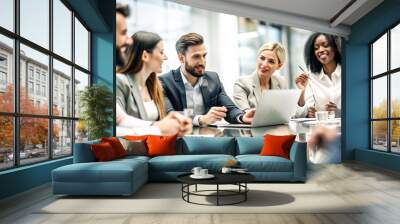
{"points": [[331, 115], [203, 172], [321, 115], [196, 171], [226, 170]]}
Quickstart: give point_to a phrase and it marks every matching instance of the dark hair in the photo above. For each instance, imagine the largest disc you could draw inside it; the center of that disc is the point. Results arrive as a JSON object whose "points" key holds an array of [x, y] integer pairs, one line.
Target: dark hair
{"points": [[187, 40], [309, 55], [145, 41], [123, 9]]}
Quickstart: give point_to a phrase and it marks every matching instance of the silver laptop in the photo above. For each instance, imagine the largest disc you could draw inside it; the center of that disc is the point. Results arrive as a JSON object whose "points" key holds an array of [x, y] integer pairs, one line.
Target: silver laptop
{"points": [[275, 107]]}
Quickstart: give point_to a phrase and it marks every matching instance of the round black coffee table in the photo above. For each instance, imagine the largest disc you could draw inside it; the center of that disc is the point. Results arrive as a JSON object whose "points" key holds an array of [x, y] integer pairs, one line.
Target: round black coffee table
{"points": [[238, 179]]}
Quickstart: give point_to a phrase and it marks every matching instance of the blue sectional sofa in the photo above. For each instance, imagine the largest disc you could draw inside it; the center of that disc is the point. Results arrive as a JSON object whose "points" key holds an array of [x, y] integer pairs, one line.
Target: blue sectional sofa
{"points": [[125, 176]]}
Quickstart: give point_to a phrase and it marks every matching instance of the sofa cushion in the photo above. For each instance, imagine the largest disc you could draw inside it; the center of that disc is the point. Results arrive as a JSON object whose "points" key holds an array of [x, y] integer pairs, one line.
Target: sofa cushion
{"points": [[249, 145], [161, 145], [257, 163], [185, 163], [134, 147], [103, 152], [197, 145], [112, 171], [116, 145], [277, 145]]}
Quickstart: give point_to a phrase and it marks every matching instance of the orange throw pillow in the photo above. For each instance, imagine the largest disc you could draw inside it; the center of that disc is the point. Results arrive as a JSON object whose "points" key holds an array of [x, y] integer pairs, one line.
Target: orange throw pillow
{"points": [[103, 152], [136, 137], [116, 145], [161, 145], [277, 145]]}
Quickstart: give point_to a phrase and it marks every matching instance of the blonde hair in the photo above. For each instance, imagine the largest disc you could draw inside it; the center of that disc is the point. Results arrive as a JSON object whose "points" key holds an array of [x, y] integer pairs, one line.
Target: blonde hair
{"points": [[275, 47]]}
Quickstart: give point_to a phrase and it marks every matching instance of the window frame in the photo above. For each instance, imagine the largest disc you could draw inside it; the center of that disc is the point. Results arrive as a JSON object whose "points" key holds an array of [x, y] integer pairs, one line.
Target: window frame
{"points": [[388, 74], [16, 115]]}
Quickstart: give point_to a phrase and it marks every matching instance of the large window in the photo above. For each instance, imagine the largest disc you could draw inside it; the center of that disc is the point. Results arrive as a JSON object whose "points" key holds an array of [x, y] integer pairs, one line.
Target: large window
{"points": [[385, 94], [44, 64]]}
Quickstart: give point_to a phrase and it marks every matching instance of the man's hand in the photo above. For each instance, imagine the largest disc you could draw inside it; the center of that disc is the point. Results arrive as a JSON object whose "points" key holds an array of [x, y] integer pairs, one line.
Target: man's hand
{"points": [[249, 115], [213, 115]]}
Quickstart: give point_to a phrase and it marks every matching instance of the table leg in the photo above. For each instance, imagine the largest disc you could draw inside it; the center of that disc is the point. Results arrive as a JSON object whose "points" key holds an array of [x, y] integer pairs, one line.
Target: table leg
{"points": [[217, 194], [245, 191], [196, 188]]}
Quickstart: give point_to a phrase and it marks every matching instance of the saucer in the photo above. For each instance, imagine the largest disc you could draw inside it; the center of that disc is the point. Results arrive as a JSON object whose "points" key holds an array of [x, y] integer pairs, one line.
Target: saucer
{"points": [[208, 176]]}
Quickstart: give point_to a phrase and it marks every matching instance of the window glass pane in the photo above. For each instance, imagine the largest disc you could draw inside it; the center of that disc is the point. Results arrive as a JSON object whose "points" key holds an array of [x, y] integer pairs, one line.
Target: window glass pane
{"points": [[7, 14], [379, 135], [62, 89], [395, 138], [35, 21], [62, 138], [395, 94], [81, 45], [6, 142], [379, 97], [379, 55], [6, 74], [62, 29], [81, 81], [34, 97], [395, 47], [33, 139], [81, 131]]}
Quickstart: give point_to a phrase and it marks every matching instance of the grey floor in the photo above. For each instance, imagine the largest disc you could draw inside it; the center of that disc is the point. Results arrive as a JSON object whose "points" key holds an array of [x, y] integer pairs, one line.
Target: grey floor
{"points": [[379, 189]]}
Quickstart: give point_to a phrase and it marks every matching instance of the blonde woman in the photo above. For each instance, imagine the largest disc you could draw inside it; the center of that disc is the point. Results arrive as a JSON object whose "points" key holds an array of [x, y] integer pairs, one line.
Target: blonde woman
{"points": [[247, 89]]}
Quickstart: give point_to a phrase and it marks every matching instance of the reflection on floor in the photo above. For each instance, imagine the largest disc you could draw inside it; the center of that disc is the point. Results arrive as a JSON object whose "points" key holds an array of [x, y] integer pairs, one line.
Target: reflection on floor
{"points": [[377, 188]]}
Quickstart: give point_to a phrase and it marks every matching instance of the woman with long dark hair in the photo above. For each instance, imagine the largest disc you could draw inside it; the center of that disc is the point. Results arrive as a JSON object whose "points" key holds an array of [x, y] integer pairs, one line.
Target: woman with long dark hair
{"points": [[321, 87], [140, 98]]}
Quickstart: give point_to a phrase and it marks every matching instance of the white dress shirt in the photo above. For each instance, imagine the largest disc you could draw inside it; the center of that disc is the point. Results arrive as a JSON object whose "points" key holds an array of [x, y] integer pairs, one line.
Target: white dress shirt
{"points": [[194, 98], [321, 90]]}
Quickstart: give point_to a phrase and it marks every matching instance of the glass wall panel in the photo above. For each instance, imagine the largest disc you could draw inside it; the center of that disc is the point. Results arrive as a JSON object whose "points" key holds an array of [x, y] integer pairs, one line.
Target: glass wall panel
{"points": [[379, 98], [379, 135], [6, 74], [81, 45], [62, 29], [35, 21], [379, 56], [7, 14], [62, 138], [6, 142], [34, 81], [33, 140], [62, 89]]}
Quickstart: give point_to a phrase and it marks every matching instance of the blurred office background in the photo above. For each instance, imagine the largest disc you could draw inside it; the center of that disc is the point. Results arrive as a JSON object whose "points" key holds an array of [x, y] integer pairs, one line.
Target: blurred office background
{"points": [[232, 41]]}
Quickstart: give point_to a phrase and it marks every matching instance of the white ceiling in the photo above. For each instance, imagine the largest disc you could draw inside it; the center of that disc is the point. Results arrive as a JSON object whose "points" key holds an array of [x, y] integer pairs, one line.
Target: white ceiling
{"points": [[314, 15]]}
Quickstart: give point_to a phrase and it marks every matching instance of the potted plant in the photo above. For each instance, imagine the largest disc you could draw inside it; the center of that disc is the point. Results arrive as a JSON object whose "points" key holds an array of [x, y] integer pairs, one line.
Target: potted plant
{"points": [[96, 103]]}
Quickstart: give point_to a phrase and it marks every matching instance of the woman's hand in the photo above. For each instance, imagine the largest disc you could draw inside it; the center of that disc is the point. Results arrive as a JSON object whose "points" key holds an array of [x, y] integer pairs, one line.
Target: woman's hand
{"points": [[302, 81], [174, 123], [330, 106], [311, 112]]}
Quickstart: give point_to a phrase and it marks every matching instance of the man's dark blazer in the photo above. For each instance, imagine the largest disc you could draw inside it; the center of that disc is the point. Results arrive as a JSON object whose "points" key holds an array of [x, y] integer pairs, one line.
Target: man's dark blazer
{"points": [[212, 90]]}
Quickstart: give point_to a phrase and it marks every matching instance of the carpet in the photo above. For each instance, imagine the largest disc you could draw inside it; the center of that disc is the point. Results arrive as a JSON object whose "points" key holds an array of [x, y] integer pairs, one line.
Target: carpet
{"points": [[166, 198]]}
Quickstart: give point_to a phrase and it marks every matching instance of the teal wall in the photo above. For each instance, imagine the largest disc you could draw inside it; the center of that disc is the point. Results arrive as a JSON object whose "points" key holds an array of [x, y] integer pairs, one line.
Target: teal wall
{"points": [[99, 16], [356, 115]]}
